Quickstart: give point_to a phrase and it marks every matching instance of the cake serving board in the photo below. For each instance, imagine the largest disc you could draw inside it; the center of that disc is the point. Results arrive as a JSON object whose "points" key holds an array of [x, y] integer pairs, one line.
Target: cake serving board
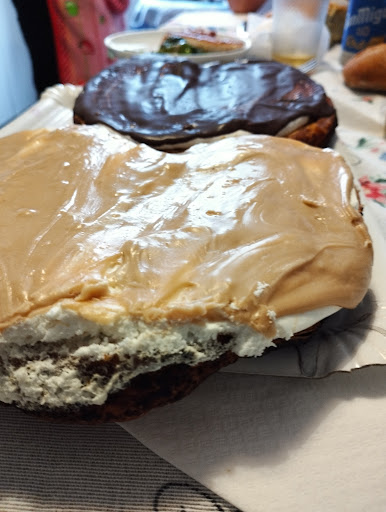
{"points": [[348, 340]]}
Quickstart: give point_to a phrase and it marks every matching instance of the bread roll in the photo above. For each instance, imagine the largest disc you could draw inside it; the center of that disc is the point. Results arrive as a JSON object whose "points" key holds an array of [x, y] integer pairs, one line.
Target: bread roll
{"points": [[367, 69]]}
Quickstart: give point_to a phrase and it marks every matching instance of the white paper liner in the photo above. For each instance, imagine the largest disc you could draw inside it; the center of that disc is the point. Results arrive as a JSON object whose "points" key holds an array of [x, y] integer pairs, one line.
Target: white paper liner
{"points": [[347, 340]]}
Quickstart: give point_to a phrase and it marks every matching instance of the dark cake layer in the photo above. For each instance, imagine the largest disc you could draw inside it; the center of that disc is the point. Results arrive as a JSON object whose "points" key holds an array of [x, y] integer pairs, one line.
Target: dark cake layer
{"points": [[158, 100]]}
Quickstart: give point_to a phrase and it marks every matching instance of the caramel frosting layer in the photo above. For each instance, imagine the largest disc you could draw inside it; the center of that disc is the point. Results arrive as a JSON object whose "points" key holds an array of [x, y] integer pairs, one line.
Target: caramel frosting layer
{"points": [[181, 101], [246, 229]]}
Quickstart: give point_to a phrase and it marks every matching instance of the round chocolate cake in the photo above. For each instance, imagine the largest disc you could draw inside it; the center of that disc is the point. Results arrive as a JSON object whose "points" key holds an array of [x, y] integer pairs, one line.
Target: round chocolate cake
{"points": [[168, 103]]}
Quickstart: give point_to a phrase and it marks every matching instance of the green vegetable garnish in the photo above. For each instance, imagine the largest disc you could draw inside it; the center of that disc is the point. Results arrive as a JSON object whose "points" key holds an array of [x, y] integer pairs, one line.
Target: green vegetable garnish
{"points": [[178, 45]]}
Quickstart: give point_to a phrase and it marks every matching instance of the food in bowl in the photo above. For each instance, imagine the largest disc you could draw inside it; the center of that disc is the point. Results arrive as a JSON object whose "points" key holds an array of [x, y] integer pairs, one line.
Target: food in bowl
{"points": [[189, 42], [124, 45]]}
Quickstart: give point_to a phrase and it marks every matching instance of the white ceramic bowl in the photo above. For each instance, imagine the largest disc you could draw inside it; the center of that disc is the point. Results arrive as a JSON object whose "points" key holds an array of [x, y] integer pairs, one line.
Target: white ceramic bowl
{"points": [[127, 44]]}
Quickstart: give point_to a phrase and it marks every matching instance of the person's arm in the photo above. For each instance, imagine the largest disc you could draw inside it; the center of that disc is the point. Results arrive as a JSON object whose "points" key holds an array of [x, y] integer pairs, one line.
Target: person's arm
{"points": [[117, 6], [240, 6]]}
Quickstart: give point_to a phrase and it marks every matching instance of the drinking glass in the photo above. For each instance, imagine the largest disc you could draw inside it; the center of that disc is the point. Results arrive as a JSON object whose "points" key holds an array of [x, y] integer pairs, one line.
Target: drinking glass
{"points": [[297, 29]]}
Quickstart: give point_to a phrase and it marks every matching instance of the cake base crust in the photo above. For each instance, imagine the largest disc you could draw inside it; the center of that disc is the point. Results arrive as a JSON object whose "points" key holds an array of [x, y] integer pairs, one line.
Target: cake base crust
{"points": [[145, 392], [318, 133]]}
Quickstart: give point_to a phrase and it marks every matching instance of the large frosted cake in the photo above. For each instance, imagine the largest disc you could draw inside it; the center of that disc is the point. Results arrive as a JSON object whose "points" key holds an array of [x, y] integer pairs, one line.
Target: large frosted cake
{"points": [[128, 275]]}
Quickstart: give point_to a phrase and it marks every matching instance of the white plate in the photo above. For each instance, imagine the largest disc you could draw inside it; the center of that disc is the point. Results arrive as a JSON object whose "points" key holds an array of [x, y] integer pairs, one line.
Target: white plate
{"points": [[127, 44]]}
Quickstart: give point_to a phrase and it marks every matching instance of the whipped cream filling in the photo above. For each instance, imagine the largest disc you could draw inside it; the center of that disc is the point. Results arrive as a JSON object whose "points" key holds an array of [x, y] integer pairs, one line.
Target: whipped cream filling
{"points": [[44, 354], [180, 146], [293, 126]]}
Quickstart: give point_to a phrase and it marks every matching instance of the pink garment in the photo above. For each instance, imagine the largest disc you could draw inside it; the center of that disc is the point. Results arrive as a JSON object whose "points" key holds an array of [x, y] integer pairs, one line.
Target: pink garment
{"points": [[79, 28]]}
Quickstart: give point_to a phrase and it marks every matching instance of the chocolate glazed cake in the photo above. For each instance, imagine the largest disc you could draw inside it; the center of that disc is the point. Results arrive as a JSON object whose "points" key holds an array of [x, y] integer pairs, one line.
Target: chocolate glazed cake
{"points": [[128, 275], [169, 103]]}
